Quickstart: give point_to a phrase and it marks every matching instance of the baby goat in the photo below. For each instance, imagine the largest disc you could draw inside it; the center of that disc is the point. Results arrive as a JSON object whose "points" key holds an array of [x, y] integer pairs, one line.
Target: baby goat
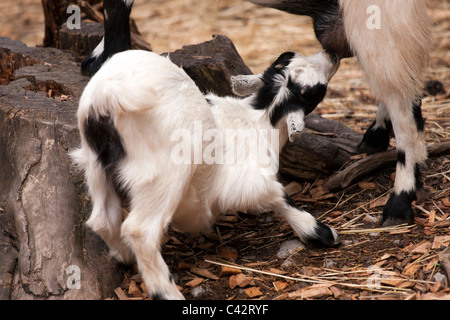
{"points": [[131, 116]]}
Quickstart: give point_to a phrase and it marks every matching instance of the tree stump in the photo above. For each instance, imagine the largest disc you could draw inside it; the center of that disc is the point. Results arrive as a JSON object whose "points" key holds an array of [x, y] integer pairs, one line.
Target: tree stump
{"points": [[82, 41], [323, 148], [211, 64], [45, 250]]}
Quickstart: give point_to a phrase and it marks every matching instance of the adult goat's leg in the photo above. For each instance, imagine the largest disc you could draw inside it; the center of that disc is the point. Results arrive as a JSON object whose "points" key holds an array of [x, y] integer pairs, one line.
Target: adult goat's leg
{"points": [[408, 125], [402, 32], [116, 38]]}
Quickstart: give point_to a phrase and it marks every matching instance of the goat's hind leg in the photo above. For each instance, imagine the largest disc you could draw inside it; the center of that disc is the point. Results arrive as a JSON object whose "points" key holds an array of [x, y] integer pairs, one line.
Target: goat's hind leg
{"points": [[107, 215], [150, 215]]}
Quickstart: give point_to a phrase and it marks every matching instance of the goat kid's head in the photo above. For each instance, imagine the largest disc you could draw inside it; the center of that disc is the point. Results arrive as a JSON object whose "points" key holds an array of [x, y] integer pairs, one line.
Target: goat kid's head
{"points": [[290, 88]]}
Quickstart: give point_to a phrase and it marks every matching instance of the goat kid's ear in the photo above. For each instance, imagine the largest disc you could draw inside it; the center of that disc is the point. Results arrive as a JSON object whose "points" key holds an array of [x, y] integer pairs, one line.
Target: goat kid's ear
{"points": [[244, 85]]}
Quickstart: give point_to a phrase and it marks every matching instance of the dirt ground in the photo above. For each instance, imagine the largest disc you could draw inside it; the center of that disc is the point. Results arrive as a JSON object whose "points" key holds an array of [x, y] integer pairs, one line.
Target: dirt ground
{"points": [[372, 262]]}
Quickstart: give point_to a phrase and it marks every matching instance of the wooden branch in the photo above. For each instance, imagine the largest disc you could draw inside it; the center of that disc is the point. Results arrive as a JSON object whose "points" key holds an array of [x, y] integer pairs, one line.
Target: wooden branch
{"points": [[90, 12], [359, 169]]}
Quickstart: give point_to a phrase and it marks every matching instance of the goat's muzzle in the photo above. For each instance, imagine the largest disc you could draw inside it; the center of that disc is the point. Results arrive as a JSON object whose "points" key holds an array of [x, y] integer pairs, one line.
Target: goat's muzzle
{"points": [[295, 124]]}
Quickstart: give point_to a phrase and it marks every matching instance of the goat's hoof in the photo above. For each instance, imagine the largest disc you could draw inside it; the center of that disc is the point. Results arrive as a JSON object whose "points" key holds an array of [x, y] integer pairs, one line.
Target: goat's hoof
{"points": [[398, 209], [374, 141], [325, 236]]}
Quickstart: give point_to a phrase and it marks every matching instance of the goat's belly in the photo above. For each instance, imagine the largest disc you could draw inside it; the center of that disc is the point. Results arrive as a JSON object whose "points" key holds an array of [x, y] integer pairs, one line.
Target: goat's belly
{"points": [[193, 215], [244, 188]]}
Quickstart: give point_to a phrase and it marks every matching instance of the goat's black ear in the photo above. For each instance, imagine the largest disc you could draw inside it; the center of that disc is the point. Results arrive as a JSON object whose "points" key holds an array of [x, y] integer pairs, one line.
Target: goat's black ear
{"points": [[310, 97], [283, 60]]}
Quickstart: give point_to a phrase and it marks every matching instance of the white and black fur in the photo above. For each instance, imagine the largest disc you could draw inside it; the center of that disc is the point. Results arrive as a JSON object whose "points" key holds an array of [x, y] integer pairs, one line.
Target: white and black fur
{"points": [[394, 59], [126, 116]]}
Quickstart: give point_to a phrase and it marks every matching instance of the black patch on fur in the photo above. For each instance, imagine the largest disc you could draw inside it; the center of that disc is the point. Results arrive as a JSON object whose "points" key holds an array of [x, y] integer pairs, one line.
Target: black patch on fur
{"points": [[104, 139], [158, 296], [418, 176], [289, 200], [307, 101], [434, 87], [398, 209], [117, 37], [269, 90], [209, 101], [417, 111], [376, 140], [401, 157]]}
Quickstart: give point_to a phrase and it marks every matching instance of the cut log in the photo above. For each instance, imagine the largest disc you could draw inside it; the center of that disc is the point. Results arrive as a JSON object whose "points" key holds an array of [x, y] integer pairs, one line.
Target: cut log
{"points": [[81, 41], [359, 169], [323, 148], [46, 252], [84, 40], [211, 64]]}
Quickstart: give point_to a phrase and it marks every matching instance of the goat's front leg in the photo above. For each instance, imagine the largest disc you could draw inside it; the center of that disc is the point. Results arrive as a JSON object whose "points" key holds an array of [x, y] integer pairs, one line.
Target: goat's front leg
{"points": [[304, 224], [143, 229], [408, 126]]}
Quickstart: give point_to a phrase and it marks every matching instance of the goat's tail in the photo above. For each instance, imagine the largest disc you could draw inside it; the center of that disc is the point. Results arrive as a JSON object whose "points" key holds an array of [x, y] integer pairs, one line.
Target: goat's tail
{"points": [[392, 40], [125, 83], [116, 96]]}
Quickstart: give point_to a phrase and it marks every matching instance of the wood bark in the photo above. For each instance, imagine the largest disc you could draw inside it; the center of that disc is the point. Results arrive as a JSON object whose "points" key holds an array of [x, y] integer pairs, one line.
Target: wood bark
{"points": [[55, 15], [323, 148], [44, 247], [357, 170], [211, 64]]}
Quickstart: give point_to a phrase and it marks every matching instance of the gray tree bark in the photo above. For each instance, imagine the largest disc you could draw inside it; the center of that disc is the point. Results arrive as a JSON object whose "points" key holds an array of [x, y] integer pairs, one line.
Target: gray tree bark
{"points": [[45, 250]]}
